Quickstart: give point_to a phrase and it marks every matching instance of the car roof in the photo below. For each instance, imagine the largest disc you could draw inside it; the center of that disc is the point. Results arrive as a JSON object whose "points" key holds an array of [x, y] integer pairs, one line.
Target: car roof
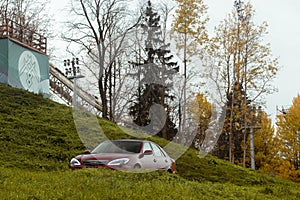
{"points": [[133, 140]]}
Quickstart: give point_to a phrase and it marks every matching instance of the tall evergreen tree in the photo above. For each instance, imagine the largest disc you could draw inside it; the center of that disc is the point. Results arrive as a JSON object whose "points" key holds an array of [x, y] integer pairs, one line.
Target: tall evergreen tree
{"points": [[154, 70]]}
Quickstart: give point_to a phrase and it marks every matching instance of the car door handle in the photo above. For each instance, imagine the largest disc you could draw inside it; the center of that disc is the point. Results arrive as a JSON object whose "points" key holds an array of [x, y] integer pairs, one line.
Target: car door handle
{"points": [[154, 160], [166, 160]]}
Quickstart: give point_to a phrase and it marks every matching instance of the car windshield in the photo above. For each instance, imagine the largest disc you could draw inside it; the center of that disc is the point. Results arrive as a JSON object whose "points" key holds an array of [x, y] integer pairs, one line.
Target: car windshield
{"points": [[118, 146]]}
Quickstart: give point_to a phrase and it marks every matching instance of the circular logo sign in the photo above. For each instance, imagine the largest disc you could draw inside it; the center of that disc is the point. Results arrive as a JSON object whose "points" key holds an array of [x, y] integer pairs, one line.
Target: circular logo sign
{"points": [[29, 71]]}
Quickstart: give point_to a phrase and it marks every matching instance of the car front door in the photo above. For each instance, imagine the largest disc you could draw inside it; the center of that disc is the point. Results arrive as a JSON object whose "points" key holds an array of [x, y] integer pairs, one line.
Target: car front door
{"points": [[148, 161]]}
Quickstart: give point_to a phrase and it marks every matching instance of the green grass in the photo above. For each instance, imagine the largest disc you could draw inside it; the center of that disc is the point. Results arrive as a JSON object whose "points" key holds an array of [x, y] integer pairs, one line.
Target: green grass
{"points": [[106, 184], [38, 137]]}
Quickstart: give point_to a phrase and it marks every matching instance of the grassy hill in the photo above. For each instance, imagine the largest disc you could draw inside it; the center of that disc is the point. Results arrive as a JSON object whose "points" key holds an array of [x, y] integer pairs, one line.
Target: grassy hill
{"points": [[38, 137]]}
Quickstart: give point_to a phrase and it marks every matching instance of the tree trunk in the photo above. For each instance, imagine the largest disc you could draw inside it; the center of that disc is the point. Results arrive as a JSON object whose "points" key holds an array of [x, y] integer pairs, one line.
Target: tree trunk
{"points": [[102, 91]]}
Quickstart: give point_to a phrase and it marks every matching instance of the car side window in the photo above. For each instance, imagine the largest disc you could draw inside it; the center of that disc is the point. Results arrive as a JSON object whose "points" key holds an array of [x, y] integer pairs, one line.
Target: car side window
{"points": [[162, 151], [147, 146], [156, 150]]}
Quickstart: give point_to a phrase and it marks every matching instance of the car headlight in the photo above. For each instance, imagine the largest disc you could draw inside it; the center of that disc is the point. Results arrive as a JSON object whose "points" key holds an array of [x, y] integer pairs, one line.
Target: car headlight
{"points": [[120, 161], [74, 161]]}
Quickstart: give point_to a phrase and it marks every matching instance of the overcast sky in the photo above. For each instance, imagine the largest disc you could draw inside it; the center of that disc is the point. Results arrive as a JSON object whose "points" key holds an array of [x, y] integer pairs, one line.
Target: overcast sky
{"points": [[284, 36]]}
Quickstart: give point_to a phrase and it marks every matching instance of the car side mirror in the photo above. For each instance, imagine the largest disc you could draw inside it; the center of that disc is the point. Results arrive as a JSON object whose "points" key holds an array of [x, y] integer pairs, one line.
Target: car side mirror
{"points": [[87, 152], [148, 152]]}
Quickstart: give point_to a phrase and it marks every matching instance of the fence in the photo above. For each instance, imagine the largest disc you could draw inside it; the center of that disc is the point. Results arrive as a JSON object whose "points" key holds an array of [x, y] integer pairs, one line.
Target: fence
{"points": [[13, 30]]}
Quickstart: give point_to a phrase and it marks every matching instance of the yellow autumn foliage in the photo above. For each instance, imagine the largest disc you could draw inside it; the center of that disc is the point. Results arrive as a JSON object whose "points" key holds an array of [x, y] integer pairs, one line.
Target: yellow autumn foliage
{"points": [[289, 136]]}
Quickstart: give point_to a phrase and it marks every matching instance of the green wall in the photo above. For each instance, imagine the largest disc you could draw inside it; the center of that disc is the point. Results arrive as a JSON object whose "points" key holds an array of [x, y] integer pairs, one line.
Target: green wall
{"points": [[23, 67], [3, 60]]}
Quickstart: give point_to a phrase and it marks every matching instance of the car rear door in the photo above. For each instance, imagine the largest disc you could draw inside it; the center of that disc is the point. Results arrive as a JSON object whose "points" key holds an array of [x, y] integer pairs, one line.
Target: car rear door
{"points": [[160, 158]]}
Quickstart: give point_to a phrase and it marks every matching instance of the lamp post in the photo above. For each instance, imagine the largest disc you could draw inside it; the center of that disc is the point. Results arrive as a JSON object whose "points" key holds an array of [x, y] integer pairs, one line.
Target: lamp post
{"points": [[252, 127], [242, 18], [73, 72]]}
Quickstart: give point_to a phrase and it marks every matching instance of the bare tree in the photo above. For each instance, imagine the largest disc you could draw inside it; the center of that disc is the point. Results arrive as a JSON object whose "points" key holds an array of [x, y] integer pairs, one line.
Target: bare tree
{"points": [[30, 14], [100, 28]]}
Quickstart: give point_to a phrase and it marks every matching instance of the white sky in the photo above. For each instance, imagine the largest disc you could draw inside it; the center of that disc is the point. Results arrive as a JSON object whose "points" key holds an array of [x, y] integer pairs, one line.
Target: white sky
{"points": [[284, 36]]}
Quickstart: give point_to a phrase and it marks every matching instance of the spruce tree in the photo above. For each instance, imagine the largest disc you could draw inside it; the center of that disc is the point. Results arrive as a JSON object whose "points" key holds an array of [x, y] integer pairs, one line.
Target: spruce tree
{"points": [[155, 70]]}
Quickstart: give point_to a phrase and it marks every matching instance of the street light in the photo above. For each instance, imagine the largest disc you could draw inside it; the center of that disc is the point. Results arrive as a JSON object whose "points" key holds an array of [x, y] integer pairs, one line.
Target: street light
{"points": [[283, 110], [73, 72], [239, 5]]}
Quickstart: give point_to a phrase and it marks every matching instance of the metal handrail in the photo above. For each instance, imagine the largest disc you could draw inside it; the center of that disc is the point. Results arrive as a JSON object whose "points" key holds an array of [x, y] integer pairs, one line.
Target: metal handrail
{"points": [[88, 98], [13, 30]]}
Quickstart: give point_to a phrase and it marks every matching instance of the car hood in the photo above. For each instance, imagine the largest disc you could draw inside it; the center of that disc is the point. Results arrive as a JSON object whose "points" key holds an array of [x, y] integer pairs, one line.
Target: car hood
{"points": [[104, 156]]}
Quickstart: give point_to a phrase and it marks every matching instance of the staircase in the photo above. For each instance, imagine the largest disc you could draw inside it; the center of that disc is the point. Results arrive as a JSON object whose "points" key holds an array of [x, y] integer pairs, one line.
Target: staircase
{"points": [[63, 88]]}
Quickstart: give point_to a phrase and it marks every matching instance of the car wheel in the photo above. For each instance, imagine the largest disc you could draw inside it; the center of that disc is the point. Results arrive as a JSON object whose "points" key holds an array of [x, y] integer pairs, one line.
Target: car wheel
{"points": [[137, 166]]}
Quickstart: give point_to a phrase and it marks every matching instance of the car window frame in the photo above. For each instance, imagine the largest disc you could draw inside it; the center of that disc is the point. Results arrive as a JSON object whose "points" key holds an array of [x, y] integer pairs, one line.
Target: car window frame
{"points": [[150, 147], [158, 147]]}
